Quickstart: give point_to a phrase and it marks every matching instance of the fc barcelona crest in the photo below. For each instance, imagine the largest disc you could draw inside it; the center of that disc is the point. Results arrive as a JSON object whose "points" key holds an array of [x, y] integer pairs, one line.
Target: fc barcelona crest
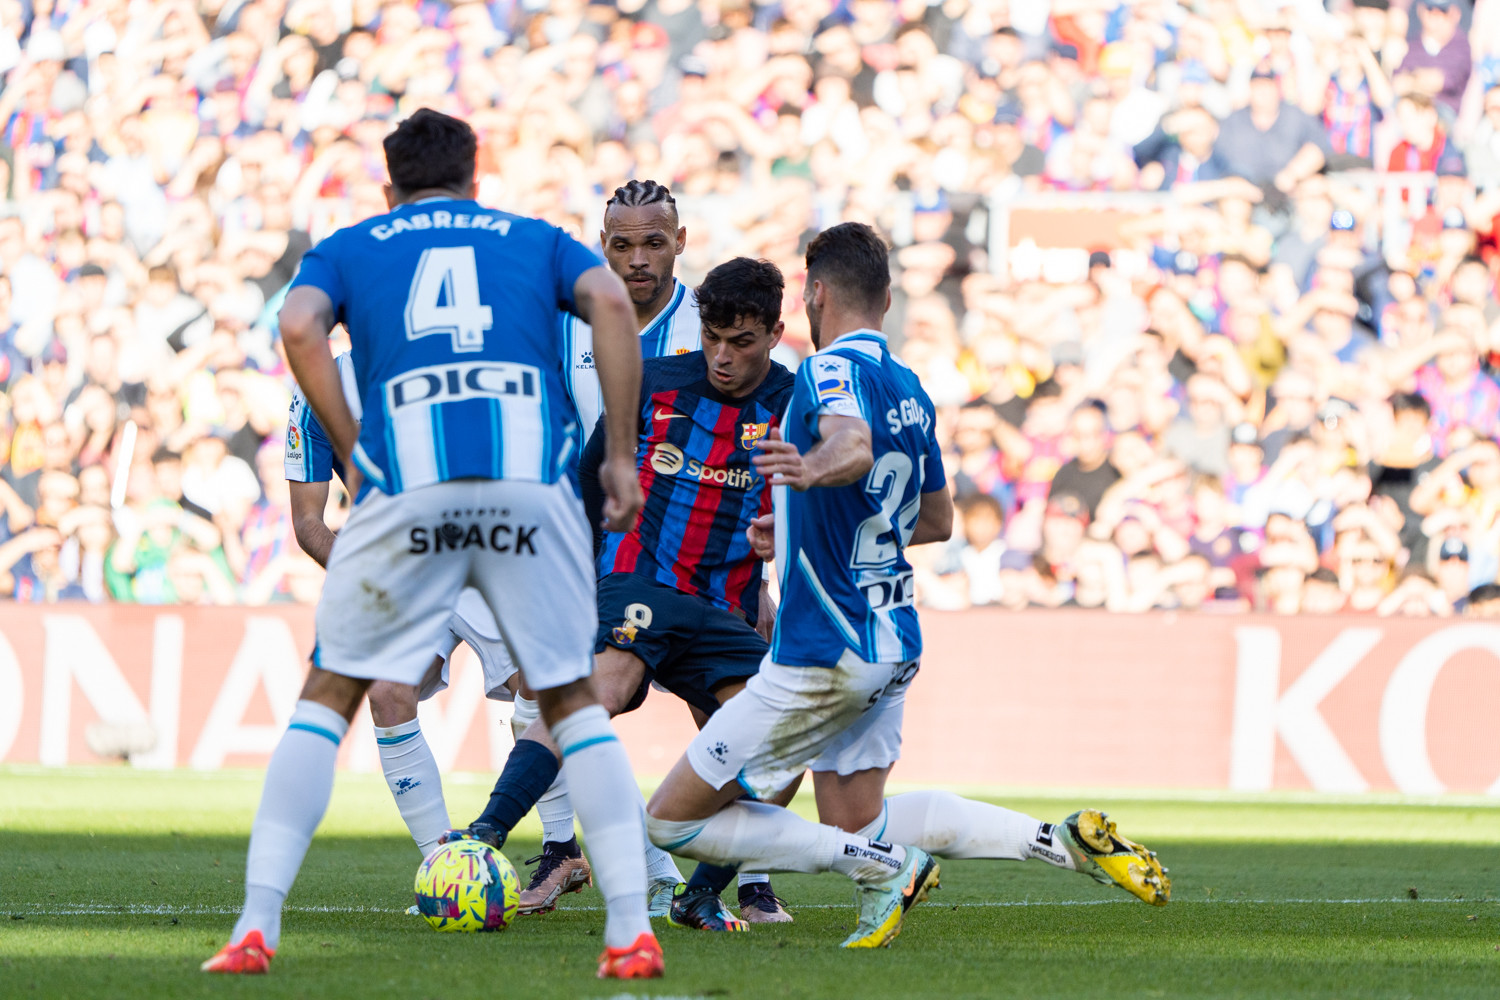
{"points": [[751, 433]]}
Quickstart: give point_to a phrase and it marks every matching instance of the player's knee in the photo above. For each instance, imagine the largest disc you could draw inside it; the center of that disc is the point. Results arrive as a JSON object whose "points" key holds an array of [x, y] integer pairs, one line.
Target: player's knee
{"points": [[672, 835], [392, 704]]}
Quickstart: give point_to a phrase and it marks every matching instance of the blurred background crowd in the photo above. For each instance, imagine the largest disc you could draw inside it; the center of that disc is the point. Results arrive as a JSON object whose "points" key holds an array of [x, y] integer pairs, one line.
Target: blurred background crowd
{"points": [[1260, 377]]}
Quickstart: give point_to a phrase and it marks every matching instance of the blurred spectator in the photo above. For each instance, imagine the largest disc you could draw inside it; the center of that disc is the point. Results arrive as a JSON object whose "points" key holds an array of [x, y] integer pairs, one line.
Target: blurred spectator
{"points": [[1439, 63], [1244, 354]]}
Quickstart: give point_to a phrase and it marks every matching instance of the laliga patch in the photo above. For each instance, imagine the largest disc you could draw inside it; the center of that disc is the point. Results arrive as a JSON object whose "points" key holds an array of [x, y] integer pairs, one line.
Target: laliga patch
{"points": [[834, 386], [750, 434]]}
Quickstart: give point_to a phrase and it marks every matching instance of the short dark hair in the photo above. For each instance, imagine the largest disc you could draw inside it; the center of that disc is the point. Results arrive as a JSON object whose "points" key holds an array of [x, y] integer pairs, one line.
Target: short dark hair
{"points": [[853, 259], [1410, 402], [741, 289], [637, 193], [1484, 593], [431, 150], [981, 501]]}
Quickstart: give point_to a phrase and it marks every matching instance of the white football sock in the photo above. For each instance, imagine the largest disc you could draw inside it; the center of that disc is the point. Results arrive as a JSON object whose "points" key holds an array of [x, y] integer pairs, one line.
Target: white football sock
{"points": [[412, 774], [951, 826], [753, 878], [556, 813], [299, 781], [660, 866], [768, 837], [610, 813], [526, 712]]}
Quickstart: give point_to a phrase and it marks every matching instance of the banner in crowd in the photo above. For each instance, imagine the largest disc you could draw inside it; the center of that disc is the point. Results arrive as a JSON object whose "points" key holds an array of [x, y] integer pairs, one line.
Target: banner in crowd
{"points": [[1060, 698]]}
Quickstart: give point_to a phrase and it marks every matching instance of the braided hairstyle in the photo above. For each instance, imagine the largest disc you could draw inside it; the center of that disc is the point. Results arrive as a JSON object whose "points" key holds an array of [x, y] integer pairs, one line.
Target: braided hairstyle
{"points": [[637, 194]]}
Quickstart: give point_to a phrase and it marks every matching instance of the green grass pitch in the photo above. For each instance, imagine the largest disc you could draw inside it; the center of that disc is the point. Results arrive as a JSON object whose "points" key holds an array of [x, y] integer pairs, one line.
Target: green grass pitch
{"points": [[117, 883]]}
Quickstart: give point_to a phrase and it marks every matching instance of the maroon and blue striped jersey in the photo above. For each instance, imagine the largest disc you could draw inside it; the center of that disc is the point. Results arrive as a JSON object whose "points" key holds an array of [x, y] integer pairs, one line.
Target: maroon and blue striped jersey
{"points": [[701, 491]]}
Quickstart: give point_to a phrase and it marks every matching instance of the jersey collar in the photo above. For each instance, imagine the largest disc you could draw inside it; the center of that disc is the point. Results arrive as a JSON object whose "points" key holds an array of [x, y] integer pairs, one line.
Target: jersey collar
{"points": [[862, 334], [679, 292]]}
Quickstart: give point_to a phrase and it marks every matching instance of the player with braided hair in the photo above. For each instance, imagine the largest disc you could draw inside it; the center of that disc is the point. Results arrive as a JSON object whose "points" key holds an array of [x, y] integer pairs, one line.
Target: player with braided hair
{"points": [[641, 239]]}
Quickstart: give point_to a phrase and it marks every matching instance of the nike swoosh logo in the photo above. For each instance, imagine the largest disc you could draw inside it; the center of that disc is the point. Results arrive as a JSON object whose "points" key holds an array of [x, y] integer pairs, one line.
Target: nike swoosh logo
{"points": [[669, 415]]}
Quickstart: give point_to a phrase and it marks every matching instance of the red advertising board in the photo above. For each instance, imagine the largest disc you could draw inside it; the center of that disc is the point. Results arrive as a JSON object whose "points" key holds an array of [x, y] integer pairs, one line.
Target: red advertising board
{"points": [[1065, 698]]}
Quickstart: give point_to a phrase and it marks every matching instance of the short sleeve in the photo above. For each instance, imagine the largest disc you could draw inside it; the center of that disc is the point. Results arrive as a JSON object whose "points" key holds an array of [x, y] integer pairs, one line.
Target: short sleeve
{"points": [[833, 388], [569, 260], [319, 270], [309, 454]]}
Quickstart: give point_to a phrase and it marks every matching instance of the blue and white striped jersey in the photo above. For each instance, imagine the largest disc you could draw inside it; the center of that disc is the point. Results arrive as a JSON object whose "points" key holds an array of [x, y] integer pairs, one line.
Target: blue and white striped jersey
{"points": [[675, 330], [309, 456], [452, 311], [840, 551]]}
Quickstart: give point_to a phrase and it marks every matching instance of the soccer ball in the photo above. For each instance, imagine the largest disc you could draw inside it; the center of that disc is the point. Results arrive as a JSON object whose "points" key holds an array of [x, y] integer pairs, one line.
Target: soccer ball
{"points": [[466, 885]]}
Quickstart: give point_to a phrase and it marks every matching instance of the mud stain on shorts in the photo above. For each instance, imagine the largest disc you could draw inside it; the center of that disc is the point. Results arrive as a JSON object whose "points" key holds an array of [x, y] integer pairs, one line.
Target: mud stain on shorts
{"points": [[377, 599]]}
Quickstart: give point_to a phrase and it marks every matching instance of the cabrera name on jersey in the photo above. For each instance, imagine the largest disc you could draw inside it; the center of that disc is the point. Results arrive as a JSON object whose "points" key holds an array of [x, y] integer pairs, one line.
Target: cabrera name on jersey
{"points": [[674, 331], [840, 551], [452, 312]]}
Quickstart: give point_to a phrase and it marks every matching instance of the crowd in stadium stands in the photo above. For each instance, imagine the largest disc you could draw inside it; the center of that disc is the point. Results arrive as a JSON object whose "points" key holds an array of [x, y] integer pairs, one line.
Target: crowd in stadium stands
{"points": [[1274, 389]]}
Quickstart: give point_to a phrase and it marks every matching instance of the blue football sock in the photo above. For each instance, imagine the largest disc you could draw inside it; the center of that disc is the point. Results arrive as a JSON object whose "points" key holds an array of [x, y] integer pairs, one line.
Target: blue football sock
{"points": [[706, 876], [529, 772]]}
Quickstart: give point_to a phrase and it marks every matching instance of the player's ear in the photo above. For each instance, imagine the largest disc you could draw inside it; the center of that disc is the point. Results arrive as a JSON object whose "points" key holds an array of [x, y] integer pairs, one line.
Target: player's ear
{"points": [[777, 331], [887, 301], [391, 199], [471, 191], [681, 239]]}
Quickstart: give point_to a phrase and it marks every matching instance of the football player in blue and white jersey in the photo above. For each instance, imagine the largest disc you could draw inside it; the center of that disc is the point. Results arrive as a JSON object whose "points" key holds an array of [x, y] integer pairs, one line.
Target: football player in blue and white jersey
{"points": [[859, 479], [410, 770], [641, 240], [464, 451]]}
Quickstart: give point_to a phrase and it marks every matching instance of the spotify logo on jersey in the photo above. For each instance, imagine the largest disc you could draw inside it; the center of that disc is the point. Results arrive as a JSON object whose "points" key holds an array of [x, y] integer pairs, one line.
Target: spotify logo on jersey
{"points": [[666, 459]]}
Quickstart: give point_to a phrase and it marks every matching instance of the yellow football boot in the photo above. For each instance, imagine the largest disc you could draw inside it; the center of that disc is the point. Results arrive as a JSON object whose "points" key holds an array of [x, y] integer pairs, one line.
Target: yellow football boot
{"points": [[883, 905], [1099, 851]]}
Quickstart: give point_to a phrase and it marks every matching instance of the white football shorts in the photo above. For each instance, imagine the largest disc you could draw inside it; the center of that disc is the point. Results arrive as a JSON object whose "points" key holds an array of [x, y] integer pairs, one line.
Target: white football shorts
{"points": [[789, 719], [401, 563], [473, 623]]}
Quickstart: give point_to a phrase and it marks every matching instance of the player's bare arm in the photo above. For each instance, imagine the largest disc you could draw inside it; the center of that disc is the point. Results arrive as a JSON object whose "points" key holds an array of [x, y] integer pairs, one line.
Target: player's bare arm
{"points": [[308, 503], [842, 456], [604, 302], [934, 518], [306, 319]]}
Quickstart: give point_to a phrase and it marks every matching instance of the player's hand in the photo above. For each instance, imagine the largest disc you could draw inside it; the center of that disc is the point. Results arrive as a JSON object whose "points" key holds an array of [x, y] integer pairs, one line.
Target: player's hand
{"points": [[622, 493], [781, 463], [762, 535]]}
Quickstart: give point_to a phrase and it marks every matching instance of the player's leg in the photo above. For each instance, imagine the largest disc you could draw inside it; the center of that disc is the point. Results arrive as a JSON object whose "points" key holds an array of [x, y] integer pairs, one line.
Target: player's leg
{"points": [[544, 604], [715, 670], [374, 621], [759, 903], [849, 783], [762, 740], [410, 770], [534, 762], [299, 782]]}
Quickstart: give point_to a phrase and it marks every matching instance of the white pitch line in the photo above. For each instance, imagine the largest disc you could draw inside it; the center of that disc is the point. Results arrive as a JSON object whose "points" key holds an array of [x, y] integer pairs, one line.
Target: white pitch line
{"points": [[147, 909]]}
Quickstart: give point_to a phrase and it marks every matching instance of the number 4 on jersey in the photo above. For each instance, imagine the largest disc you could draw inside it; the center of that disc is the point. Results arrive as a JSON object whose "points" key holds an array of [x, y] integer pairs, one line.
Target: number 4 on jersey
{"points": [[444, 298]]}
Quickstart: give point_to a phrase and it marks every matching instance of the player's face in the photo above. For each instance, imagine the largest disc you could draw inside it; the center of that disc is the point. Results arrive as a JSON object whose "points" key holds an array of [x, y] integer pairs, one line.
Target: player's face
{"points": [[739, 356], [641, 246]]}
